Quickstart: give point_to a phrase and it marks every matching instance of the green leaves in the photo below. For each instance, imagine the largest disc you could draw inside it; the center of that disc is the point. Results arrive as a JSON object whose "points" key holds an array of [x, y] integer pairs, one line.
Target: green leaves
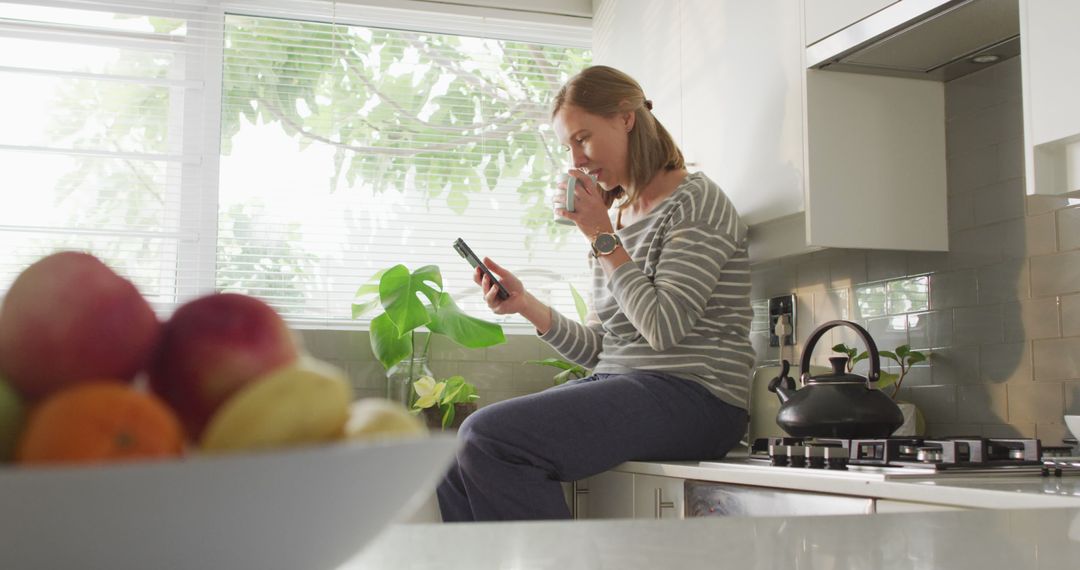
{"points": [[853, 354], [903, 356], [445, 394], [470, 332], [570, 371], [579, 304], [402, 295]]}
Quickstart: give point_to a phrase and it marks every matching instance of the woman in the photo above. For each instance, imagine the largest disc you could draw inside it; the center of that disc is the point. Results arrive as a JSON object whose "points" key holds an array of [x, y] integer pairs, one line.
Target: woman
{"points": [[667, 337]]}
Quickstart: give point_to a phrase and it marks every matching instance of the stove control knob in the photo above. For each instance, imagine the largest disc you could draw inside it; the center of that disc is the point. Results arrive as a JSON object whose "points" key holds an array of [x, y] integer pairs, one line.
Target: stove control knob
{"points": [[796, 455], [836, 458], [778, 455], [815, 456]]}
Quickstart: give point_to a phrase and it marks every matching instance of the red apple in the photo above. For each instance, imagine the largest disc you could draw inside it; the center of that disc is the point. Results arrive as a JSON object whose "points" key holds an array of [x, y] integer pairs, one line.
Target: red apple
{"points": [[211, 348], [67, 319]]}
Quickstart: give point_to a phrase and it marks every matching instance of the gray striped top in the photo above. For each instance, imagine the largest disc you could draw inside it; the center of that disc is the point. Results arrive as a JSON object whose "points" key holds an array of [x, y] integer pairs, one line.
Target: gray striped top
{"points": [[682, 307]]}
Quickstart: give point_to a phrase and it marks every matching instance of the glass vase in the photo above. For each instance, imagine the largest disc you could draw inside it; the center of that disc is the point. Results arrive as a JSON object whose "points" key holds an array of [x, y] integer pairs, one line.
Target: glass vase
{"points": [[400, 378]]}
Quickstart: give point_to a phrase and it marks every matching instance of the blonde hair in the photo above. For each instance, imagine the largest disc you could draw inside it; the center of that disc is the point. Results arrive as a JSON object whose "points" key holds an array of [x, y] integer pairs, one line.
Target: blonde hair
{"points": [[606, 92]]}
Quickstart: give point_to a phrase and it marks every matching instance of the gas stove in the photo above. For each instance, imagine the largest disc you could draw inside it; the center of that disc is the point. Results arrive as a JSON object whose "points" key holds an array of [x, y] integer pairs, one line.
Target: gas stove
{"points": [[956, 455]]}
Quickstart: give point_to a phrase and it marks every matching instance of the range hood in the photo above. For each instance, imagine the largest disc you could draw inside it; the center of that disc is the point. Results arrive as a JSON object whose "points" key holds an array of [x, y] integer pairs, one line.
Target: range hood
{"points": [[937, 40]]}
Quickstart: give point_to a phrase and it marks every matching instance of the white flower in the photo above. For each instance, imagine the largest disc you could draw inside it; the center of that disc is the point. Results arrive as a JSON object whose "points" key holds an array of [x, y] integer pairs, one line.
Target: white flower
{"points": [[428, 391]]}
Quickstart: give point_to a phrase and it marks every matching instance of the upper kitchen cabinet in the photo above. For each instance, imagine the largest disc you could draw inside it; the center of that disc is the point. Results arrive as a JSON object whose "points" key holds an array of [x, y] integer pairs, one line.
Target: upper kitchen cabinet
{"points": [[641, 38], [826, 17], [810, 159], [1050, 59]]}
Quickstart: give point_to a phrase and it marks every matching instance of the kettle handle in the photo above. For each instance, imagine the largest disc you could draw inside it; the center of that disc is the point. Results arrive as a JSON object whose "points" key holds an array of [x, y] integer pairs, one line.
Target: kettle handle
{"points": [[875, 359]]}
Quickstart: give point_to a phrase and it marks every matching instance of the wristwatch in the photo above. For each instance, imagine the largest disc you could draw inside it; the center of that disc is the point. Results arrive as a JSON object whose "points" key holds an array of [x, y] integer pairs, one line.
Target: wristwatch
{"points": [[605, 244]]}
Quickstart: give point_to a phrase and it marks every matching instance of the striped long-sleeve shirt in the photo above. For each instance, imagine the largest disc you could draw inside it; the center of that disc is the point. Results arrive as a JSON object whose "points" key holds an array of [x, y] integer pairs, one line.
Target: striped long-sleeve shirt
{"points": [[682, 306]]}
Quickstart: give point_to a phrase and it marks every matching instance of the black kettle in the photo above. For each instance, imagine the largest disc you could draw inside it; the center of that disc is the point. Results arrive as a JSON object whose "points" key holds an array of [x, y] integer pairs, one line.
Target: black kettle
{"points": [[838, 404]]}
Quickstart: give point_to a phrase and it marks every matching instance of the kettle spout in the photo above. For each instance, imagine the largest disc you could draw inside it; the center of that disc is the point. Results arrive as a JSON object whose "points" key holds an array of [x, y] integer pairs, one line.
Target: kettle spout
{"points": [[783, 384]]}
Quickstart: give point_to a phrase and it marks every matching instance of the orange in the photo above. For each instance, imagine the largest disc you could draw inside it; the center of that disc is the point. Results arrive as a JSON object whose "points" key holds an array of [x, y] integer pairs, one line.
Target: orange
{"points": [[99, 422]]}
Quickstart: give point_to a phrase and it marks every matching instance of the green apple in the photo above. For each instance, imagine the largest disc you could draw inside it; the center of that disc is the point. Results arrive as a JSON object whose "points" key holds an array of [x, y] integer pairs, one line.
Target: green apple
{"points": [[12, 417]]}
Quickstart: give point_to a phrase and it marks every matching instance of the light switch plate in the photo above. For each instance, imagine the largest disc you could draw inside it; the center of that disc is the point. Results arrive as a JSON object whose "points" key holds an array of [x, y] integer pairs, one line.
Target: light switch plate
{"points": [[782, 305]]}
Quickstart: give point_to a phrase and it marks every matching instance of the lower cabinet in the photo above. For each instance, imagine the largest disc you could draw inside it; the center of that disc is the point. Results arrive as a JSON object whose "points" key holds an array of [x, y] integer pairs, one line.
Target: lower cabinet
{"points": [[658, 497], [616, 494], [619, 494], [609, 495]]}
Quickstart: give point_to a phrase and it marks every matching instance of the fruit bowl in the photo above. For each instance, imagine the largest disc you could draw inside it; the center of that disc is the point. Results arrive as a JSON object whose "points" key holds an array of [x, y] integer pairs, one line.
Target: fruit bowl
{"points": [[312, 508]]}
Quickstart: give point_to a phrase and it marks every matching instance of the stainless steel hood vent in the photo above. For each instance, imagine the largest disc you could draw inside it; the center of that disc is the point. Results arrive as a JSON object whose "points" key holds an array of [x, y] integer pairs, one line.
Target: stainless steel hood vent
{"points": [[926, 39]]}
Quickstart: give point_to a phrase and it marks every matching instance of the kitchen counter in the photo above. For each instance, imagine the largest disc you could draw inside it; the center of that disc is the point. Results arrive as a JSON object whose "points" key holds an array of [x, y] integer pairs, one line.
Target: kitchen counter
{"points": [[960, 490], [969, 539]]}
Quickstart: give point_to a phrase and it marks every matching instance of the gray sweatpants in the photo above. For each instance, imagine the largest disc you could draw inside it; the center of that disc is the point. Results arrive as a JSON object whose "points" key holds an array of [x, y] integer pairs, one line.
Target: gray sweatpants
{"points": [[515, 453]]}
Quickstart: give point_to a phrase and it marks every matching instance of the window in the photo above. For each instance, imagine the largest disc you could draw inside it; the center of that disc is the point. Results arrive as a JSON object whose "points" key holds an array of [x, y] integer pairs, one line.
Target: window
{"points": [[345, 146]]}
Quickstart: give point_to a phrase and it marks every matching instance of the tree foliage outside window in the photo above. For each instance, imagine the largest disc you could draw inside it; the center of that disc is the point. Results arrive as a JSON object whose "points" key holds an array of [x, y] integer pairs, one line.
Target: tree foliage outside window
{"points": [[449, 121]]}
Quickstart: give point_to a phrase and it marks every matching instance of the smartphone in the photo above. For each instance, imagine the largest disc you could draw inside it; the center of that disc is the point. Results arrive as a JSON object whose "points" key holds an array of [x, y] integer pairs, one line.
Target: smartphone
{"points": [[464, 251]]}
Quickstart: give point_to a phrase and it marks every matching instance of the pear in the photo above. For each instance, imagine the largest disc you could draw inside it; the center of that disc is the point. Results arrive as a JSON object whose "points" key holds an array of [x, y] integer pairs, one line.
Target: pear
{"points": [[379, 418], [302, 403]]}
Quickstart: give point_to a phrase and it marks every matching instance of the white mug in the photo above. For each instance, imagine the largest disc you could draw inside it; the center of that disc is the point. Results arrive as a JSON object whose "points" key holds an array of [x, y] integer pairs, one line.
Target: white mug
{"points": [[571, 182]]}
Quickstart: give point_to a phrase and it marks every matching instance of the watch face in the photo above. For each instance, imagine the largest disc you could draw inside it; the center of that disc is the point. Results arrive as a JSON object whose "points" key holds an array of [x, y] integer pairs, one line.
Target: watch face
{"points": [[604, 243]]}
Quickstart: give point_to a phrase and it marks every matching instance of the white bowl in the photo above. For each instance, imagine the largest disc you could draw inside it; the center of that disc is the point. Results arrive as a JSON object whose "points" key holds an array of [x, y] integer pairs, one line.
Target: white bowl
{"points": [[1073, 423], [310, 508]]}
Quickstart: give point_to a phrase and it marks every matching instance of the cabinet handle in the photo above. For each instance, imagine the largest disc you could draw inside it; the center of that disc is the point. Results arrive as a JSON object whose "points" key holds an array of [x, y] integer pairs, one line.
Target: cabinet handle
{"points": [[660, 504], [574, 510]]}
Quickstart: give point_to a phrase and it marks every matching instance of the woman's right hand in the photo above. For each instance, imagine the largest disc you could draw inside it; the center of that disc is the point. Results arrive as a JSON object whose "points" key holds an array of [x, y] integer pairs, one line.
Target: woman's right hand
{"points": [[515, 303]]}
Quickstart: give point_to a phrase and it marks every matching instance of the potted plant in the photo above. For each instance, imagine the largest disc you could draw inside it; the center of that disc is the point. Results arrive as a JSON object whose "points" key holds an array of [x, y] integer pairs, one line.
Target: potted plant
{"points": [[569, 370], [402, 295], [446, 403], [904, 358]]}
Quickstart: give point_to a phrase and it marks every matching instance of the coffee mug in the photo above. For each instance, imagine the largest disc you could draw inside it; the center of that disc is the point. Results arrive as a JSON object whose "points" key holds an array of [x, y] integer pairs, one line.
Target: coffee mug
{"points": [[571, 182]]}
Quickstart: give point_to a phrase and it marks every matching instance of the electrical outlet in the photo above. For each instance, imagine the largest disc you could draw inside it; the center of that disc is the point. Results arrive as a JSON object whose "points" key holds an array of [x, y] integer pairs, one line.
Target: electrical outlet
{"points": [[782, 305]]}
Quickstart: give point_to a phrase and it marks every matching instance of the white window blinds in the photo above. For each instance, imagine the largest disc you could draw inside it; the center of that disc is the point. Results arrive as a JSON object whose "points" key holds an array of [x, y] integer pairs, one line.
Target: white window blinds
{"points": [[349, 141], [104, 108]]}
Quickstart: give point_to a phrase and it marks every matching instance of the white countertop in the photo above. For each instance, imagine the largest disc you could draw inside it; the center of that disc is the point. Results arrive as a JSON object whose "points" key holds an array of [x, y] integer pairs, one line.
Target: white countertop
{"points": [[969, 539], [961, 490]]}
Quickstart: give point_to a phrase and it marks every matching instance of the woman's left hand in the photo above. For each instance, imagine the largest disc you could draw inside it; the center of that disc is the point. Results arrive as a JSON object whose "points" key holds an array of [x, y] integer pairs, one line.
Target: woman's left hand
{"points": [[590, 213]]}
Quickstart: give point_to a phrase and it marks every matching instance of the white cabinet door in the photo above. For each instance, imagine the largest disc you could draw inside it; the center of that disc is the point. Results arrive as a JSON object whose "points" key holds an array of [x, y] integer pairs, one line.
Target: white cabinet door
{"points": [[1050, 58], [742, 80], [609, 495], [658, 497], [642, 38], [826, 17]]}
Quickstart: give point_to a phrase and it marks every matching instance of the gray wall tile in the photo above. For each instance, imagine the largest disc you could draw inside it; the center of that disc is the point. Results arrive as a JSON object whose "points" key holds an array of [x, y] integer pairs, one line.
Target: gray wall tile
{"points": [[1000, 363], [1056, 359], [1068, 228], [930, 330], [1055, 274], [1070, 315], [1003, 281], [1041, 234], [938, 402], [953, 289], [982, 403], [1031, 319], [1030, 401], [982, 324]]}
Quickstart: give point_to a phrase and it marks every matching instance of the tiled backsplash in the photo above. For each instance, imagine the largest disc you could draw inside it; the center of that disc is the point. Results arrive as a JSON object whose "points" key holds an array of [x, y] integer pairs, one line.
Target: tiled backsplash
{"points": [[1000, 312]]}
